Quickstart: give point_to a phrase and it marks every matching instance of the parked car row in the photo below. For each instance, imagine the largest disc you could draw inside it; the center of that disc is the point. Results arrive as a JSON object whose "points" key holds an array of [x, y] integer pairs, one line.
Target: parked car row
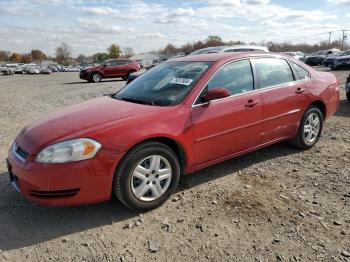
{"points": [[333, 58], [10, 69]]}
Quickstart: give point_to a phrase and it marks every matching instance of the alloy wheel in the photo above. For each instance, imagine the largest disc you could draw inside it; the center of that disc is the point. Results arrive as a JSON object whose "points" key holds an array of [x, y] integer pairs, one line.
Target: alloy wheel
{"points": [[96, 77], [151, 178], [311, 128]]}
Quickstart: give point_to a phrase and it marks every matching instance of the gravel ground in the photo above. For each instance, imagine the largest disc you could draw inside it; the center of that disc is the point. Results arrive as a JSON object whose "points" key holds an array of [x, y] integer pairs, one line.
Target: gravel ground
{"points": [[276, 204]]}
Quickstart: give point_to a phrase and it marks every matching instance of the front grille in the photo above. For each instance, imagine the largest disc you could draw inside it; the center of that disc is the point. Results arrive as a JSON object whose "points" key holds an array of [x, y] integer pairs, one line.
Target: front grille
{"points": [[344, 60], [55, 194], [20, 152]]}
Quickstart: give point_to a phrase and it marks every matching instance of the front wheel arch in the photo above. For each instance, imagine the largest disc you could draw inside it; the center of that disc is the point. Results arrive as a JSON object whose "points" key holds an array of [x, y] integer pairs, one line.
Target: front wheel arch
{"points": [[172, 143]]}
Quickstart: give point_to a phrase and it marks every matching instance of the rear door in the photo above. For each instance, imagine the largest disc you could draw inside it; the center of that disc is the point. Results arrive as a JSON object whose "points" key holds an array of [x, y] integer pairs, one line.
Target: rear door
{"points": [[283, 96], [123, 68], [229, 125]]}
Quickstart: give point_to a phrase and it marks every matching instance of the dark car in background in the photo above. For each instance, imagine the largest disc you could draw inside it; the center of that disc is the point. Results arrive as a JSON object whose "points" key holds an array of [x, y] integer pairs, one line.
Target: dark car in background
{"points": [[341, 61], [319, 57], [347, 88], [111, 68], [329, 59]]}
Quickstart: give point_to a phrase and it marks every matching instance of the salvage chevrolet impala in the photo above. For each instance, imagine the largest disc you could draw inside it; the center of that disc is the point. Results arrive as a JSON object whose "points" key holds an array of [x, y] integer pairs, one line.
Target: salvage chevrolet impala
{"points": [[181, 116]]}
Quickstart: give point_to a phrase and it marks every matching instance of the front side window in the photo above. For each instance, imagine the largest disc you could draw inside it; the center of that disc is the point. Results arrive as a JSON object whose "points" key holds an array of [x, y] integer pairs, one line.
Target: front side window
{"points": [[237, 77], [302, 73], [273, 72], [164, 85]]}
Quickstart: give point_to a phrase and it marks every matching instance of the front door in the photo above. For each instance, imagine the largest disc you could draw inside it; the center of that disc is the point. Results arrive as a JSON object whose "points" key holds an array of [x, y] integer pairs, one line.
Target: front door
{"points": [[229, 125]]}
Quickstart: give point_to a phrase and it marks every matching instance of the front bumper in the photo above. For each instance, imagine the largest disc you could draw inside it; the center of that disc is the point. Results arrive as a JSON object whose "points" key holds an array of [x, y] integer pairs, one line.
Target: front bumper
{"points": [[84, 75], [76, 183]]}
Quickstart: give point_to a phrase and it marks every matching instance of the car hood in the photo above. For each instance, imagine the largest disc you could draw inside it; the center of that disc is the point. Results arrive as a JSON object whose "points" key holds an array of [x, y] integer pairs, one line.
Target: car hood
{"points": [[342, 57], [76, 120]]}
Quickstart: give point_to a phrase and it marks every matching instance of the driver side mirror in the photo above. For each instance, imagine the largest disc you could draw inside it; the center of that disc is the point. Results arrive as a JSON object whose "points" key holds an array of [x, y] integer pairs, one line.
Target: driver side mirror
{"points": [[216, 93]]}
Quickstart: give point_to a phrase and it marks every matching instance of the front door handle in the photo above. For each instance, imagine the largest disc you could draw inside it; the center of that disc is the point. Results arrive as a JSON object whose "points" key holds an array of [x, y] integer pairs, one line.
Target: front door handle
{"points": [[299, 90], [251, 103]]}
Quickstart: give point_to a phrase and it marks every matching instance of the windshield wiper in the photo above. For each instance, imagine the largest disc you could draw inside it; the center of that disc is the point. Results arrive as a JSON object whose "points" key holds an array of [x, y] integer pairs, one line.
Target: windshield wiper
{"points": [[134, 100]]}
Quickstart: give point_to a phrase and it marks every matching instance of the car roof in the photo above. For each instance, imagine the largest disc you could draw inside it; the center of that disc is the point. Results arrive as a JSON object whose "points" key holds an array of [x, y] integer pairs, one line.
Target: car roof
{"points": [[225, 56]]}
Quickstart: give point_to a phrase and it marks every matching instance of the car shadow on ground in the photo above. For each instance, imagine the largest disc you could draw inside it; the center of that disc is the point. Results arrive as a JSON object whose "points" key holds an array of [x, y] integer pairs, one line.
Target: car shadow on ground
{"points": [[228, 167], [23, 223], [344, 108], [86, 82]]}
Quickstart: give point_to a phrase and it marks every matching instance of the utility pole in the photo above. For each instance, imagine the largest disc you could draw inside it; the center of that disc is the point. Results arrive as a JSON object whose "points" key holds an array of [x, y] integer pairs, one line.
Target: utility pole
{"points": [[343, 39], [329, 40]]}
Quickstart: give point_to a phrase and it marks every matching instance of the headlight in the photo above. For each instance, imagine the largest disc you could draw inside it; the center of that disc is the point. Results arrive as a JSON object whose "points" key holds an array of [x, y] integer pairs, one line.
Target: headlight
{"points": [[69, 151]]}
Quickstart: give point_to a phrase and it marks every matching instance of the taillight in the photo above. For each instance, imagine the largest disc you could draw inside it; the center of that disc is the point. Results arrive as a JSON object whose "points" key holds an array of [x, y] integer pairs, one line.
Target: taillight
{"points": [[337, 86]]}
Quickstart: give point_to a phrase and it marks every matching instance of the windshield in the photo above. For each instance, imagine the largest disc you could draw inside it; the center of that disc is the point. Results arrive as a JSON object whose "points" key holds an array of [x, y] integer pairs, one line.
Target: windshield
{"points": [[164, 85]]}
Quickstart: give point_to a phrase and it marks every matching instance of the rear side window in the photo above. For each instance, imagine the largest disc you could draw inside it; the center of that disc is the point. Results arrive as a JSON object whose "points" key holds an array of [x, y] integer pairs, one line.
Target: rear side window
{"points": [[302, 73], [237, 77], [273, 72]]}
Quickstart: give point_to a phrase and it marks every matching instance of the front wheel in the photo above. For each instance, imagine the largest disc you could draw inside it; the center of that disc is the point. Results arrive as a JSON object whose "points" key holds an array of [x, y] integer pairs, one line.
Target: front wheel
{"points": [[96, 77], [147, 176], [310, 129]]}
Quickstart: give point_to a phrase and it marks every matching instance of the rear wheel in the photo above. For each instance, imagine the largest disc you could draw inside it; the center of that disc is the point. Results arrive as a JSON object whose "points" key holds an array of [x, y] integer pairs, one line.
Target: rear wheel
{"points": [[147, 176], [310, 129], [96, 77]]}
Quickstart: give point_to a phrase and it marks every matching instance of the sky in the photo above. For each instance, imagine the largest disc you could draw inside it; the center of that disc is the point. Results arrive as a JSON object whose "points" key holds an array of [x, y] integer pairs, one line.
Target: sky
{"points": [[91, 26]]}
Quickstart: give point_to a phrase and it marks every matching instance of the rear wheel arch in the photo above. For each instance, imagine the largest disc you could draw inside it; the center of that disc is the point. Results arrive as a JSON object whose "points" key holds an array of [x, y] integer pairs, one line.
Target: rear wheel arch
{"points": [[321, 106]]}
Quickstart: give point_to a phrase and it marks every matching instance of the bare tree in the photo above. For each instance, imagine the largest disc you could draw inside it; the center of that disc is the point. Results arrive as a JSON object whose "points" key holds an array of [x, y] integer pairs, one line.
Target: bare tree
{"points": [[63, 52], [4, 55], [128, 52]]}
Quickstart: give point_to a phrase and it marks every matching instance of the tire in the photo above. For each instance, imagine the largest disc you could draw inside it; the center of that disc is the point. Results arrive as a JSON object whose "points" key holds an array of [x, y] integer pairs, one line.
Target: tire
{"points": [[139, 193], [96, 77], [306, 142], [333, 67], [126, 77]]}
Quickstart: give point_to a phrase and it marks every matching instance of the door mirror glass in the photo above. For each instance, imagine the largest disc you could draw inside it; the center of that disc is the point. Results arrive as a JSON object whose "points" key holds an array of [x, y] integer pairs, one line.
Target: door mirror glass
{"points": [[216, 93]]}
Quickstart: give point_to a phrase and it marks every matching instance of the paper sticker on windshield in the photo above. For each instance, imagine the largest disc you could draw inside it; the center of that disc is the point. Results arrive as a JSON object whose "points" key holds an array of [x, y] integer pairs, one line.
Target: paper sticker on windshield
{"points": [[181, 81]]}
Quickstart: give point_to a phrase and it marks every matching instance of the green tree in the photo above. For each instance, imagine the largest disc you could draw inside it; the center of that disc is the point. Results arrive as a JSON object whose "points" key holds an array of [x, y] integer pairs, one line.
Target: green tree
{"points": [[100, 57], [114, 51]]}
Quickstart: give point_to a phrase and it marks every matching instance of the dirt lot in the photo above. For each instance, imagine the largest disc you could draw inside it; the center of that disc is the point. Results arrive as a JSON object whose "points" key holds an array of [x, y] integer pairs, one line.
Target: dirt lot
{"points": [[276, 204]]}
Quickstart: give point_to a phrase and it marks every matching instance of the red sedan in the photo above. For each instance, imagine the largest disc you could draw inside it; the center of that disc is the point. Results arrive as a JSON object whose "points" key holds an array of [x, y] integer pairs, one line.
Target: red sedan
{"points": [[181, 116]]}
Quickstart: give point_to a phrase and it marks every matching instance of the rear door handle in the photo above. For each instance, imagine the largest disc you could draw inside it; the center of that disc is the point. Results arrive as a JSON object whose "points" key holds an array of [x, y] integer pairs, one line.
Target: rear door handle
{"points": [[299, 90], [251, 103]]}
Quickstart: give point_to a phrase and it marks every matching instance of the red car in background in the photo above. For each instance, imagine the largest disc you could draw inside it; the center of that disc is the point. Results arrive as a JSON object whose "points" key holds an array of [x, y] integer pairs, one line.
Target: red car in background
{"points": [[181, 116], [110, 69]]}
